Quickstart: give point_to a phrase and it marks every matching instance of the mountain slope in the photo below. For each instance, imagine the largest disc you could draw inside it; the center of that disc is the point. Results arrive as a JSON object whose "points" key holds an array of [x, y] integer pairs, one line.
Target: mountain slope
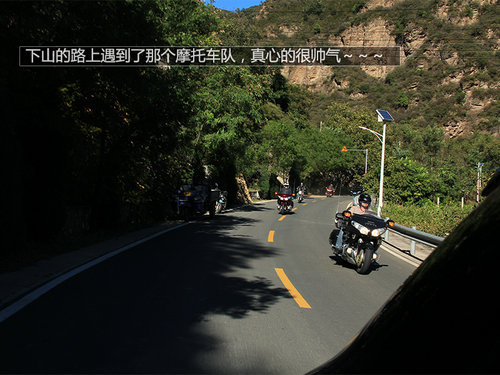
{"points": [[450, 56]]}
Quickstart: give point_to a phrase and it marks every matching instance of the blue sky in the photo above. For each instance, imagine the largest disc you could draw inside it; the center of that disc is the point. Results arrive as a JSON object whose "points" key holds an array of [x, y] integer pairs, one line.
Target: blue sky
{"points": [[233, 4]]}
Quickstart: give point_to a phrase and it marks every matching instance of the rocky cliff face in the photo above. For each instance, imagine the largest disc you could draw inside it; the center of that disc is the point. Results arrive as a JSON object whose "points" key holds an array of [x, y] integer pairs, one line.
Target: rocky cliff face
{"points": [[376, 34], [461, 14], [478, 96]]}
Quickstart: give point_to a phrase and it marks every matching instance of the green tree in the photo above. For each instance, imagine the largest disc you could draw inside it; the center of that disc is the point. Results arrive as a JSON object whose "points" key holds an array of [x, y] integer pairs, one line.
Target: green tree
{"points": [[403, 101], [278, 147], [405, 181], [325, 163], [106, 140]]}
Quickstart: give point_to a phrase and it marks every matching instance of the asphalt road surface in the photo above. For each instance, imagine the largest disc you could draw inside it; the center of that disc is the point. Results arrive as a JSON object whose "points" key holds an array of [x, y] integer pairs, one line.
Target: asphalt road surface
{"points": [[245, 292]]}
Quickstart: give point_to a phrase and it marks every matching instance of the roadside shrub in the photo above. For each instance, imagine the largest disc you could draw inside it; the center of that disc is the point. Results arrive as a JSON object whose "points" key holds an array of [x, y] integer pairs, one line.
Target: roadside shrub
{"points": [[428, 217]]}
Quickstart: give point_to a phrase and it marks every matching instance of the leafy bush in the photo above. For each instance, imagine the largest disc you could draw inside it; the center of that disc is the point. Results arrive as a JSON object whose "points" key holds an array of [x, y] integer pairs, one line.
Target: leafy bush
{"points": [[428, 218]]}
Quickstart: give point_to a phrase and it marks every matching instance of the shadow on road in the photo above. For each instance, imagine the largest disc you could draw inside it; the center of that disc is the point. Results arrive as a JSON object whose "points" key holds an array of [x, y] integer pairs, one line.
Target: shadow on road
{"points": [[253, 208], [140, 312], [341, 263]]}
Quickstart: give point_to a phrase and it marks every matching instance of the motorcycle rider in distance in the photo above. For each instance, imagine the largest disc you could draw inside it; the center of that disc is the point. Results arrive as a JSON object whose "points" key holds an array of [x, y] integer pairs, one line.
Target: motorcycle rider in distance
{"points": [[363, 208], [330, 190], [301, 191]]}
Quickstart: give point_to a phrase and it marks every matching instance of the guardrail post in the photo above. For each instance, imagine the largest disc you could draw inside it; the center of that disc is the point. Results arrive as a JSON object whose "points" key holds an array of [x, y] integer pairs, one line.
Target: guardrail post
{"points": [[413, 244]]}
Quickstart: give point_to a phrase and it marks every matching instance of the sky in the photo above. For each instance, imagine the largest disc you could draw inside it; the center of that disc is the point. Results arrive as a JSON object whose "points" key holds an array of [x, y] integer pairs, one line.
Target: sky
{"points": [[233, 4]]}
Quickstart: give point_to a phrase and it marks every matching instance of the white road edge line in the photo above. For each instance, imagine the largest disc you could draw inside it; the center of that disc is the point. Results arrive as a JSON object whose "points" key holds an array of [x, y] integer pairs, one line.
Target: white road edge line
{"points": [[40, 291], [415, 264]]}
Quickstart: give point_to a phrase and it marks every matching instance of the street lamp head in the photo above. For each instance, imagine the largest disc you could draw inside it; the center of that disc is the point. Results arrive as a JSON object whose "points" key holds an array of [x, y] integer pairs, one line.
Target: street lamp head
{"points": [[384, 115]]}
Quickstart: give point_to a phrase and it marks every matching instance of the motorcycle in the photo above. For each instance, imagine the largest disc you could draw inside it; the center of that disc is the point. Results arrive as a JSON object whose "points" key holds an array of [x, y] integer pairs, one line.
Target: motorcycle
{"points": [[362, 237], [193, 200], [221, 202], [329, 192], [284, 203], [300, 196]]}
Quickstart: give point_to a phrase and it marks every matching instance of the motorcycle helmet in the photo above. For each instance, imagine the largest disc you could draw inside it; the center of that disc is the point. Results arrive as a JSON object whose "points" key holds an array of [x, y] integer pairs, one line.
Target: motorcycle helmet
{"points": [[364, 198]]}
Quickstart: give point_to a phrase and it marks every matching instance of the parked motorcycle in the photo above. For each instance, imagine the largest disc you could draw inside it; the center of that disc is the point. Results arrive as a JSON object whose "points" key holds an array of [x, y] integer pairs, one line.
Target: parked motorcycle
{"points": [[196, 199], [221, 202], [329, 191], [362, 236], [285, 201]]}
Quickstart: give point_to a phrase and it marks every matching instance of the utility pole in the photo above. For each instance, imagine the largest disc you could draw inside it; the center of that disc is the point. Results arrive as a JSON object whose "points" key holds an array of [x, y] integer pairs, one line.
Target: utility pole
{"points": [[344, 149], [479, 175]]}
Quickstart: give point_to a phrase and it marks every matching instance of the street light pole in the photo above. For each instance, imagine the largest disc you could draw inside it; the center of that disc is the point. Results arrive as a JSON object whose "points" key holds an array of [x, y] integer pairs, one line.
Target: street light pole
{"points": [[382, 117], [381, 138], [381, 187]]}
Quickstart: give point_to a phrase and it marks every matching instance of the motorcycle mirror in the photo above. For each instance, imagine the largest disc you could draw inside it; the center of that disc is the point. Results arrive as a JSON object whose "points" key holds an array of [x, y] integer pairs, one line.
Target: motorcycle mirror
{"points": [[347, 213]]}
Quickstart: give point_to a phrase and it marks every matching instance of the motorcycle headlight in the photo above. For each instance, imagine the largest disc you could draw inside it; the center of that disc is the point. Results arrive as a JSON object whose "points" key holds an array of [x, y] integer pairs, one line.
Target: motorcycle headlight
{"points": [[363, 230], [378, 232]]}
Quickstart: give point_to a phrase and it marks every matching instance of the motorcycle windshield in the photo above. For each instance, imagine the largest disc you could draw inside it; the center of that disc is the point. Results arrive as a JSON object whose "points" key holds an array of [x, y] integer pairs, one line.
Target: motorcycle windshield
{"points": [[369, 221]]}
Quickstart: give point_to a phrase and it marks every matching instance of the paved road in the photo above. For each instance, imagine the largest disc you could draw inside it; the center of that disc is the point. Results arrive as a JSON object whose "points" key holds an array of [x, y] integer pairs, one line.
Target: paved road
{"points": [[208, 297]]}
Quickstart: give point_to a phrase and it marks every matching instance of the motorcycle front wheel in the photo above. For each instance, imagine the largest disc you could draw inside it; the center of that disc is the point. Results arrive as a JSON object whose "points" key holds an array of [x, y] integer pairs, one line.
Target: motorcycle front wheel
{"points": [[364, 261]]}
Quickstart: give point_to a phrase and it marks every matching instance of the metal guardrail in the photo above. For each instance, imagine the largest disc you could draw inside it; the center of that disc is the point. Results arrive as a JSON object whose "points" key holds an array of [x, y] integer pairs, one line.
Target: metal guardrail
{"points": [[414, 236]]}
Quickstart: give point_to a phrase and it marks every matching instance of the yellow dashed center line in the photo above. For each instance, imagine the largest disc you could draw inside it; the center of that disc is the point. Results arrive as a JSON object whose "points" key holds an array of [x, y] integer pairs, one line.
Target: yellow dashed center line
{"points": [[282, 218], [294, 292], [270, 237], [293, 209]]}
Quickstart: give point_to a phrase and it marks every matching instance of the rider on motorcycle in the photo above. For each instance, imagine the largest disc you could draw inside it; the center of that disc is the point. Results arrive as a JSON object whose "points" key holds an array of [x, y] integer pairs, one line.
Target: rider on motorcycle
{"points": [[301, 191], [286, 189], [363, 208]]}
